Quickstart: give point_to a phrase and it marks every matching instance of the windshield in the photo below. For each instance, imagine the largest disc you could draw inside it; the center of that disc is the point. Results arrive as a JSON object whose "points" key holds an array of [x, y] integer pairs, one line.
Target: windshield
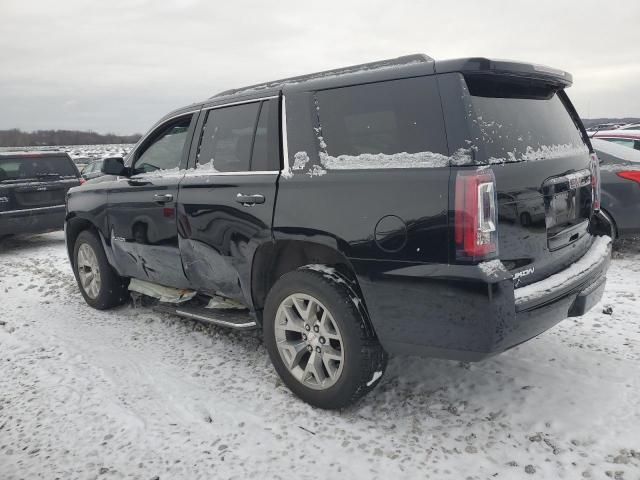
{"points": [[23, 168], [516, 121]]}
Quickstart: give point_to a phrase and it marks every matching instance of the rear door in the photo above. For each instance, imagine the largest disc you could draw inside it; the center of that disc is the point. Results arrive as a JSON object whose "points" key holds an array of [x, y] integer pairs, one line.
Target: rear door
{"points": [[528, 133], [35, 182], [142, 208], [227, 197]]}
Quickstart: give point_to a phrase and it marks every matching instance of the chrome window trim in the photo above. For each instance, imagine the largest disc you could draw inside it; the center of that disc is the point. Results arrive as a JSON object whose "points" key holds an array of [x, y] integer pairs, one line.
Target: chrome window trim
{"points": [[30, 210], [285, 143], [241, 102]]}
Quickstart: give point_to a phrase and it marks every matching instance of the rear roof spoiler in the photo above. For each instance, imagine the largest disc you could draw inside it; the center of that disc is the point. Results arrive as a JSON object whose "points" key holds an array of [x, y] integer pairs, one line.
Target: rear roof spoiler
{"points": [[480, 65]]}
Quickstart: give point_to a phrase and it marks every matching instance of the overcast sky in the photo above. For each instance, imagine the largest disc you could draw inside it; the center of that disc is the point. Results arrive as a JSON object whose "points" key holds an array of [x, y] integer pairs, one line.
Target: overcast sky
{"points": [[118, 65]]}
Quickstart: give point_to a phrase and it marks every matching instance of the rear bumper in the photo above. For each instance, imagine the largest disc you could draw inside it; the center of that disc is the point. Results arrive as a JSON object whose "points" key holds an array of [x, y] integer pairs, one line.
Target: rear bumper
{"points": [[34, 220], [463, 313]]}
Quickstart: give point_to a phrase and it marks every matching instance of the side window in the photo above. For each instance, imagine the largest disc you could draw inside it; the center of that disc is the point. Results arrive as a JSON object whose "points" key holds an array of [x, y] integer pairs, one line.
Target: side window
{"points": [[165, 148], [227, 138], [266, 145], [395, 124]]}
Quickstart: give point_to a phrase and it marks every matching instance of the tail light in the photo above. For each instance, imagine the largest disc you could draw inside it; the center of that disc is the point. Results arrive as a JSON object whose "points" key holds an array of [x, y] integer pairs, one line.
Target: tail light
{"points": [[476, 231], [595, 182], [82, 180], [633, 175]]}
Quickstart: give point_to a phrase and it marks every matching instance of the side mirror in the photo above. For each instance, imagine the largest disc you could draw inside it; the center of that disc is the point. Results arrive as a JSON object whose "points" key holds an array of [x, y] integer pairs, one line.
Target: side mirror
{"points": [[114, 166]]}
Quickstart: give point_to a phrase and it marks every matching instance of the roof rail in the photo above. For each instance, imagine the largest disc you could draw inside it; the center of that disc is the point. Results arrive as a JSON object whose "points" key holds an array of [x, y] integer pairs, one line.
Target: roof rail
{"points": [[380, 64]]}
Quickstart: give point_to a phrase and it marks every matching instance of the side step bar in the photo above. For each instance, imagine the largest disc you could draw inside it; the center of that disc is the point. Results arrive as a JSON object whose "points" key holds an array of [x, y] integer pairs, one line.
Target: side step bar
{"points": [[237, 319]]}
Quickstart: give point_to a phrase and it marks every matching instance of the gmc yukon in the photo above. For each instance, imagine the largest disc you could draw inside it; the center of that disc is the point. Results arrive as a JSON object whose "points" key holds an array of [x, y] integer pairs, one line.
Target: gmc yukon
{"points": [[407, 206]]}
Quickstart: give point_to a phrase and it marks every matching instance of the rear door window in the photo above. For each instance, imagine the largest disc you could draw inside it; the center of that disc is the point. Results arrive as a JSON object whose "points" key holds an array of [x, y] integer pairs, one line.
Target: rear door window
{"points": [[392, 124], [227, 138]]}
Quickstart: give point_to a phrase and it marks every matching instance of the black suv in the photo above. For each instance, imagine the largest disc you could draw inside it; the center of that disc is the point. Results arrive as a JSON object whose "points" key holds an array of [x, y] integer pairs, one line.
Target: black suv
{"points": [[33, 186], [408, 206]]}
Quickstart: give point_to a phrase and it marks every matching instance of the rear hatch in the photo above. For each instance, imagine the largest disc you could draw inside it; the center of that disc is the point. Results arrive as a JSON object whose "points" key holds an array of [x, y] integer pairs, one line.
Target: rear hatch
{"points": [[527, 131], [30, 181]]}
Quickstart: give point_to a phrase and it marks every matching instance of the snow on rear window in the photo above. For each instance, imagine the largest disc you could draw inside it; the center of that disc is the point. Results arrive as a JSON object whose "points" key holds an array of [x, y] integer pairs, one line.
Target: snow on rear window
{"points": [[516, 123]]}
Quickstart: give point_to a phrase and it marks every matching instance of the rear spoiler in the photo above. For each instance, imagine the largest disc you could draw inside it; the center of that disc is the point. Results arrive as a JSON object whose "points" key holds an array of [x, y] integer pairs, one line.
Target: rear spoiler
{"points": [[480, 65]]}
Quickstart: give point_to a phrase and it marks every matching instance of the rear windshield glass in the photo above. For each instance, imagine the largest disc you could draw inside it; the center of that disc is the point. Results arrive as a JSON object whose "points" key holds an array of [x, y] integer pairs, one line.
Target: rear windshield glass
{"points": [[514, 122], [24, 168]]}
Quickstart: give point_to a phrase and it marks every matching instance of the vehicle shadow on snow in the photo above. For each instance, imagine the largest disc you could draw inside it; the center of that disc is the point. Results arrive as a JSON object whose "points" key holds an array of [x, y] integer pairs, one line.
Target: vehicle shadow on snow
{"points": [[13, 243]]}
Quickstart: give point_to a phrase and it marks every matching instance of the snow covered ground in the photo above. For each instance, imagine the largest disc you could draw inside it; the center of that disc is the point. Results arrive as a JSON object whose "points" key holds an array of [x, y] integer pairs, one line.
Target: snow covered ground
{"points": [[82, 154], [130, 393]]}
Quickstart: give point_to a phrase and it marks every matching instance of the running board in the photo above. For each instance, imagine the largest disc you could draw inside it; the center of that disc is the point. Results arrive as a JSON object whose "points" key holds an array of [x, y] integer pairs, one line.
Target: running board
{"points": [[237, 319]]}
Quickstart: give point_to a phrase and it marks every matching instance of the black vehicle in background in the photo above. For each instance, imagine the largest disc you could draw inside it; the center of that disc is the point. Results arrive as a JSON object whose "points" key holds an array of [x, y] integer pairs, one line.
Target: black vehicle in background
{"points": [[33, 187], [620, 173], [408, 206]]}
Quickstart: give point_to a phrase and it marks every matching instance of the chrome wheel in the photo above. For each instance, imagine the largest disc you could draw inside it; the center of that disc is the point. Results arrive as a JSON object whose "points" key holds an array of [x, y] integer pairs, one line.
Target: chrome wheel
{"points": [[88, 270], [309, 341]]}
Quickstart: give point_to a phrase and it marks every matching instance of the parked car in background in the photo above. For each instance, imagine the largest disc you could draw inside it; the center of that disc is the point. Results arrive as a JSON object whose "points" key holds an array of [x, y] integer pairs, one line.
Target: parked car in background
{"points": [[626, 138], [620, 177], [335, 209], [604, 126], [33, 187], [93, 170], [630, 126]]}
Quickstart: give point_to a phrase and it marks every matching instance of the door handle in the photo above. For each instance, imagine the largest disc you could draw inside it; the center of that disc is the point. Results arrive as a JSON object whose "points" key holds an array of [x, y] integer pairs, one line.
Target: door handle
{"points": [[249, 200], [162, 197]]}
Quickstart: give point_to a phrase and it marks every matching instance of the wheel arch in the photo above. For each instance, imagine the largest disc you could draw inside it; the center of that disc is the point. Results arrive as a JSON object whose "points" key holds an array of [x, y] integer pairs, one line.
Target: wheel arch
{"points": [[271, 261], [73, 227]]}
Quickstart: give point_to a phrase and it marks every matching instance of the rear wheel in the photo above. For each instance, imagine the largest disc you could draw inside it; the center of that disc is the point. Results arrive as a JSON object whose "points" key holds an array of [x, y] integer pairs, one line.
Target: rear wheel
{"points": [[318, 341], [99, 284]]}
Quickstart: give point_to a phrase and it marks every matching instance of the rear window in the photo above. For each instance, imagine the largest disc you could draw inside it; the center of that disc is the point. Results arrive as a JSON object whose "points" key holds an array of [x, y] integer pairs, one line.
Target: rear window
{"points": [[512, 121], [393, 124], [35, 168]]}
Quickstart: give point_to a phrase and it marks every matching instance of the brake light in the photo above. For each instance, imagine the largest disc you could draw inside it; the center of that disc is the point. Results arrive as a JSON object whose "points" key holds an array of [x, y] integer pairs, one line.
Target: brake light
{"points": [[476, 232], [595, 182], [82, 180], [633, 175]]}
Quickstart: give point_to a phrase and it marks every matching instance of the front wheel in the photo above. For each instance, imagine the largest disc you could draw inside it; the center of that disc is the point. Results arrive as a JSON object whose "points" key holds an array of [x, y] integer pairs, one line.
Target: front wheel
{"points": [[99, 284], [318, 341]]}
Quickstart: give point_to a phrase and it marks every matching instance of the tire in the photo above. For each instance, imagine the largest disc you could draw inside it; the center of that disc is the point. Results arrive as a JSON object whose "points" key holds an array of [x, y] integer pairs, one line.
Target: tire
{"points": [[350, 358], [101, 287]]}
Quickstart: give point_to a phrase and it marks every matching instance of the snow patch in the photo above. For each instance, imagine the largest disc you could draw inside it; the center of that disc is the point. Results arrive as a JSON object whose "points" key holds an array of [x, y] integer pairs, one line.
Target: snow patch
{"points": [[376, 376], [600, 248], [544, 152], [395, 160], [492, 267], [162, 293], [300, 160]]}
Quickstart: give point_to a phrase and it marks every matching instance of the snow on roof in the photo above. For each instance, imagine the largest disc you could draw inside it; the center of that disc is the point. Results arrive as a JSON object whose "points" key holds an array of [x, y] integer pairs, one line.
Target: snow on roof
{"points": [[364, 67]]}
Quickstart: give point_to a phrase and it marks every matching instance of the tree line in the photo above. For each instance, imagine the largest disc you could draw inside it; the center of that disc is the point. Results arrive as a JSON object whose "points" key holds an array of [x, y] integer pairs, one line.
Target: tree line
{"points": [[17, 138]]}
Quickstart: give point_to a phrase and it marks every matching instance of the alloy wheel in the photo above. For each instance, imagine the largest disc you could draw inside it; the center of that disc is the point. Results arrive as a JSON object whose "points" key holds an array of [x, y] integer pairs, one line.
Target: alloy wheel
{"points": [[309, 341], [89, 270]]}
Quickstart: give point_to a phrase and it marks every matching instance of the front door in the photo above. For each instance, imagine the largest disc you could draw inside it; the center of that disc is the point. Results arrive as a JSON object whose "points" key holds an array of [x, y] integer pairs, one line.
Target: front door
{"points": [[227, 199], [142, 208]]}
